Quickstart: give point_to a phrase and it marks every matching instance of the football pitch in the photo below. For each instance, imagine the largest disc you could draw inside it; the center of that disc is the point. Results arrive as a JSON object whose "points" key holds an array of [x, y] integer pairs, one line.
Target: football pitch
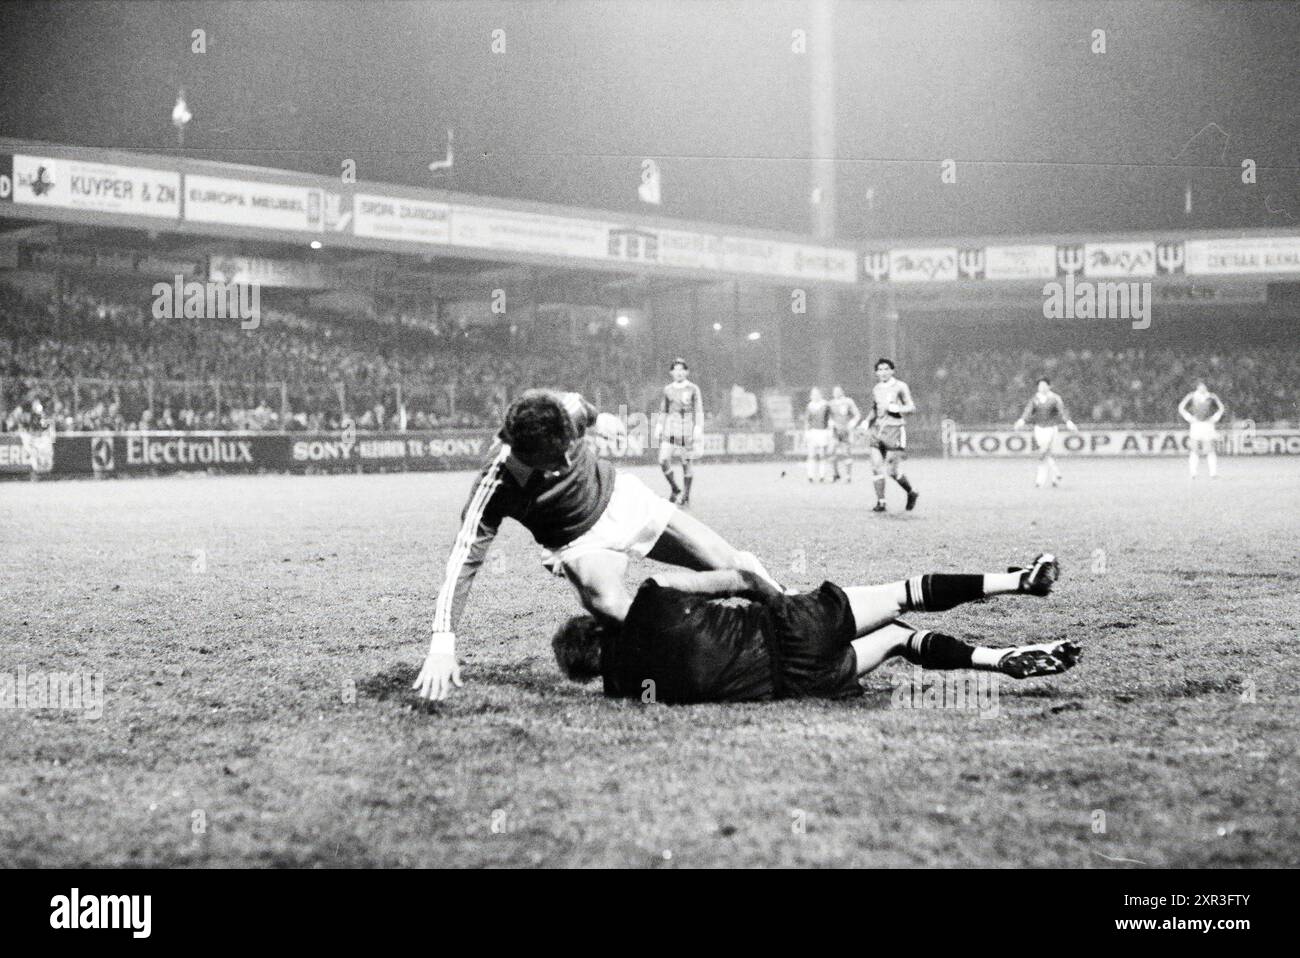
{"points": [[257, 636]]}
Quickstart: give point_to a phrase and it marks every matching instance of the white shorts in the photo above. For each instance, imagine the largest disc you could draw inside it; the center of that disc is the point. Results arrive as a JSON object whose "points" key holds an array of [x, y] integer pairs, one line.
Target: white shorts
{"points": [[1044, 436], [1202, 432], [632, 522], [818, 440]]}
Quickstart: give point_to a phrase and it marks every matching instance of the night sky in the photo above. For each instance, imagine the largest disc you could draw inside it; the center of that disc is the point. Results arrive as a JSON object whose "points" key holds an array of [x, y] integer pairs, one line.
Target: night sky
{"points": [[1048, 136]]}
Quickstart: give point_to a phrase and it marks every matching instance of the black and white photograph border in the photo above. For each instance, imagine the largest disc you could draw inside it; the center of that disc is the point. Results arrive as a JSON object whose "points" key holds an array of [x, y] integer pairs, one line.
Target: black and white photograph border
{"points": [[600, 434]]}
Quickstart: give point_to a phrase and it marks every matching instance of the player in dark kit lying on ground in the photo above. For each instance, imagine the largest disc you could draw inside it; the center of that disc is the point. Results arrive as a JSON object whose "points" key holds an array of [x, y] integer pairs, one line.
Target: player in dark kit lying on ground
{"points": [[730, 637], [544, 471]]}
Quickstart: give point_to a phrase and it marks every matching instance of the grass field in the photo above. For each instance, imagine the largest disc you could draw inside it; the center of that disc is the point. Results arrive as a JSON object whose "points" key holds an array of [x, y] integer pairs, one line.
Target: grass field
{"points": [[257, 636]]}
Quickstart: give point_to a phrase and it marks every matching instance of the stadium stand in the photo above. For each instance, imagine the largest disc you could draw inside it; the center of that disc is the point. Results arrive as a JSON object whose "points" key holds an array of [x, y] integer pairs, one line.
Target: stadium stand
{"points": [[100, 363], [1115, 385]]}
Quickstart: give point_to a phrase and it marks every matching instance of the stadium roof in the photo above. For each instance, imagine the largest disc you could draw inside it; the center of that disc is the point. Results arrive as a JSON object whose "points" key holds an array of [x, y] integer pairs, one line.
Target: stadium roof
{"points": [[1048, 131], [180, 204], [392, 237]]}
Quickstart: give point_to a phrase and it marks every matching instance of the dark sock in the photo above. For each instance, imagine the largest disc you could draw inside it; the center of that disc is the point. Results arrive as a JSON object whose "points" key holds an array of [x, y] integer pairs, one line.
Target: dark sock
{"points": [[687, 478], [902, 481], [668, 474], [934, 650], [940, 591]]}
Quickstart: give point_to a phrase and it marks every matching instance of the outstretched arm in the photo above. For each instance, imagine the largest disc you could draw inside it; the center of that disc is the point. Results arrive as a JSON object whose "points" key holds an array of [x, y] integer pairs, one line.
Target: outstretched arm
{"points": [[717, 584], [478, 528]]}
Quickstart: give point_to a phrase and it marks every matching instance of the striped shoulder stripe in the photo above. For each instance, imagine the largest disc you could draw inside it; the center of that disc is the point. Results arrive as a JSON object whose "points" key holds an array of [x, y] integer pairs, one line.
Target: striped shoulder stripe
{"points": [[487, 485]]}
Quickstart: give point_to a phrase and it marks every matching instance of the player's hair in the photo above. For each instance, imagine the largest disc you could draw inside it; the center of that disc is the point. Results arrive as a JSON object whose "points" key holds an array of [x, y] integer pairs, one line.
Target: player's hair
{"points": [[537, 424], [577, 647], [882, 361], [1043, 379], [679, 362]]}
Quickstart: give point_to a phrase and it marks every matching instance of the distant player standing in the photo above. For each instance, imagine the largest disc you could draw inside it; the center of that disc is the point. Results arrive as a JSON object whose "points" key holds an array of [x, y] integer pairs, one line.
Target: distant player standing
{"points": [[1202, 409], [817, 434], [1046, 411], [680, 430], [36, 433], [845, 417], [891, 400]]}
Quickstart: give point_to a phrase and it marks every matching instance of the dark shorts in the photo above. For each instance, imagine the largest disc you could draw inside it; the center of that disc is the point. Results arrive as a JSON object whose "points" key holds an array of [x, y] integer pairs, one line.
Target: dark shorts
{"points": [[889, 438], [683, 447], [810, 641]]}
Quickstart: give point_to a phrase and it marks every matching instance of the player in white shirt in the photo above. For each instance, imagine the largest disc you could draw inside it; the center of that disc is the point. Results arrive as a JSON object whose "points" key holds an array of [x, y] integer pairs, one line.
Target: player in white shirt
{"points": [[817, 434], [1202, 409], [1046, 411], [36, 434], [891, 400]]}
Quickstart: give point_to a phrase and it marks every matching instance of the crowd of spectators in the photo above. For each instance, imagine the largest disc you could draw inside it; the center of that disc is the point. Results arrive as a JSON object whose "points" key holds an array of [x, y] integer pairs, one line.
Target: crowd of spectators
{"points": [[97, 363], [1113, 385]]}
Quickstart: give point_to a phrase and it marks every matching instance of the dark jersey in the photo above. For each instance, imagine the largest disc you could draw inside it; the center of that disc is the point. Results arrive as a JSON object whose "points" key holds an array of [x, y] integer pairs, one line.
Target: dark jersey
{"points": [[682, 409], [555, 509], [692, 648], [817, 415], [1046, 410]]}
